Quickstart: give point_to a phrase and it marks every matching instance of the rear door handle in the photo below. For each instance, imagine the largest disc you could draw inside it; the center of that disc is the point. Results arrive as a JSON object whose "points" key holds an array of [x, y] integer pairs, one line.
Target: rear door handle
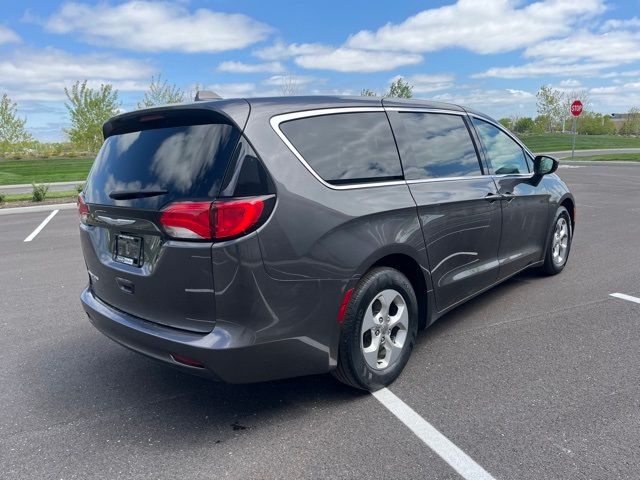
{"points": [[492, 197]]}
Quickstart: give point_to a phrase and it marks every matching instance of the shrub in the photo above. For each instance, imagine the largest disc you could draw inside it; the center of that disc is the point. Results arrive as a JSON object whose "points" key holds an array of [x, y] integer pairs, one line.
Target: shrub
{"points": [[2, 197], [79, 187], [39, 192]]}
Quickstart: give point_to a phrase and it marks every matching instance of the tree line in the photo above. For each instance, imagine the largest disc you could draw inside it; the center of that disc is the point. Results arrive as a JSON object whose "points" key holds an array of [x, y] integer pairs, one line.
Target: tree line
{"points": [[89, 108], [554, 115]]}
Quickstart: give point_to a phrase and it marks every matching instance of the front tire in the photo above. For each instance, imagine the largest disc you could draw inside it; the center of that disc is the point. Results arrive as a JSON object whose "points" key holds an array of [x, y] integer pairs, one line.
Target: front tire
{"points": [[379, 331], [559, 244]]}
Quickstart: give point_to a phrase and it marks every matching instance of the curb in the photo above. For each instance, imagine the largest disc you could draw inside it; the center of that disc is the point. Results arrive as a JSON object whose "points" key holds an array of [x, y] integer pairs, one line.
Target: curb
{"points": [[37, 208]]}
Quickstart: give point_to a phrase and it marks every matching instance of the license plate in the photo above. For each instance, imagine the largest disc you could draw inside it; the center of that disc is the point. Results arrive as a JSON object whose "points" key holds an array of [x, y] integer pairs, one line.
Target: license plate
{"points": [[128, 250]]}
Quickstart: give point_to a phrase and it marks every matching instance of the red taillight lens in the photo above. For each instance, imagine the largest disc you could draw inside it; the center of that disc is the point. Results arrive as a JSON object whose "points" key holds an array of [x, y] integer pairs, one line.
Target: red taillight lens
{"points": [[188, 220], [219, 220], [235, 217], [83, 210]]}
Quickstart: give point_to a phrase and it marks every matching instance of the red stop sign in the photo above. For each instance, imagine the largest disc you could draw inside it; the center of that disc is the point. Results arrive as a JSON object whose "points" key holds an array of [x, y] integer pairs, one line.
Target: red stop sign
{"points": [[576, 108]]}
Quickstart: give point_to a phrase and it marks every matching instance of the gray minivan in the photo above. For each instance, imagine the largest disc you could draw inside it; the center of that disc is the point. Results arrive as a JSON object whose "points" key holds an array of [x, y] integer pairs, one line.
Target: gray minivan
{"points": [[264, 238]]}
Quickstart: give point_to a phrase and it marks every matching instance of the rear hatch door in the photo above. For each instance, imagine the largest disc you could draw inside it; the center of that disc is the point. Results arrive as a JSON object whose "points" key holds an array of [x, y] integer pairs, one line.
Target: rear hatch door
{"points": [[148, 162]]}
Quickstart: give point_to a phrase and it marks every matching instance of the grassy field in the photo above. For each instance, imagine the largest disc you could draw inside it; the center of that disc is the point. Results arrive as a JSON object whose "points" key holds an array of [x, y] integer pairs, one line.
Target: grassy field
{"points": [[44, 170], [18, 197], [613, 157], [550, 142]]}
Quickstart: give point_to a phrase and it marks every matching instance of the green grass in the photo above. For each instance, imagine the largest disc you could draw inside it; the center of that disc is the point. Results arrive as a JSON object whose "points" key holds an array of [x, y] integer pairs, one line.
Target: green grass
{"points": [[550, 142], [44, 170], [612, 157], [16, 197]]}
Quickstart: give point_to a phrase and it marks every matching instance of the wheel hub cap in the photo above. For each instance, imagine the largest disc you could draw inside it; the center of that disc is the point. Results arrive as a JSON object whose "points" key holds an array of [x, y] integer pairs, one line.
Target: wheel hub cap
{"points": [[384, 329], [560, 242]]}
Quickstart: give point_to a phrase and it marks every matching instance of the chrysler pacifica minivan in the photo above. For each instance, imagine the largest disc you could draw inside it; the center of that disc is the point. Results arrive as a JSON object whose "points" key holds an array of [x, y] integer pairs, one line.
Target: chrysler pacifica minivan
{"points": [[262, 238]]}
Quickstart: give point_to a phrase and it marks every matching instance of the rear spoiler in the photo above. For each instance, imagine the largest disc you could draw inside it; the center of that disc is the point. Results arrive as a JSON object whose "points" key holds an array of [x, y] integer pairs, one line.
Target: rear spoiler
{"points": [[234, 112]]}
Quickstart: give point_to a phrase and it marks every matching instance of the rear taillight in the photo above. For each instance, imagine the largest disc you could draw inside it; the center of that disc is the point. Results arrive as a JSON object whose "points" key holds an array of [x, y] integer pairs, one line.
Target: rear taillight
{"points": [[235, 217], [188, 220], [83, 210], [219, 220]]}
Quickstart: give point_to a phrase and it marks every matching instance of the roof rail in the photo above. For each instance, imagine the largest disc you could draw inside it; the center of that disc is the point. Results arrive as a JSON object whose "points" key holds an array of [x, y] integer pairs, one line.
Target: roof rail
{"points": [[203, 95]]}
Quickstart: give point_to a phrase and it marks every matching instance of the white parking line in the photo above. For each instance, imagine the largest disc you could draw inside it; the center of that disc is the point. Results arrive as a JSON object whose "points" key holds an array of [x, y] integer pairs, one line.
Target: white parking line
{"points": [[625, 297], [41, 226], [445, 448]]}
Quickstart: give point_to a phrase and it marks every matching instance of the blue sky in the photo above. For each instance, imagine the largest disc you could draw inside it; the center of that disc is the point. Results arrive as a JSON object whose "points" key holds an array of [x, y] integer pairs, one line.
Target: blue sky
{"points": [[492, 55]]}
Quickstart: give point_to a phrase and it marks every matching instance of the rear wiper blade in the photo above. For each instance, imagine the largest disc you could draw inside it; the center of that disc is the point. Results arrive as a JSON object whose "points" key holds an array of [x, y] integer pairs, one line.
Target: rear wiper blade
{"points": [[128, 194]]}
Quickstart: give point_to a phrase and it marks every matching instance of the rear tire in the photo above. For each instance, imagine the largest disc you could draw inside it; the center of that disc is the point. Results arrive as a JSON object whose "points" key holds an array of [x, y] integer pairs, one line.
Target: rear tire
{"points": [[379, 330], [559, 244]]}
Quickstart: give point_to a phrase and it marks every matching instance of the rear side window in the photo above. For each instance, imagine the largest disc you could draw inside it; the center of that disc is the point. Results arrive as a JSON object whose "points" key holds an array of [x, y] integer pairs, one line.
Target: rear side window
{"points": [[504, 155], [188, 161], [347, 147], [434, 145]]}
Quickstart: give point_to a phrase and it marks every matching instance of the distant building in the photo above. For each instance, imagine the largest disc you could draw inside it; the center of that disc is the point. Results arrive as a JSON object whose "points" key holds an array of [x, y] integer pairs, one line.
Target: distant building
{"points": [[619, 119]]}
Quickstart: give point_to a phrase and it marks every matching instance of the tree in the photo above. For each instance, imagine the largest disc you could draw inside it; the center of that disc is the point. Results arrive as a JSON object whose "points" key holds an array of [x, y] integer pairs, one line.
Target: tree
{"points": [[89, 108], [506, 123], [595, 124], [549, 105], [12, 127], [161, 92], [524, 125], [400, 88], [289, 84], [631, 125], [365, 92]]}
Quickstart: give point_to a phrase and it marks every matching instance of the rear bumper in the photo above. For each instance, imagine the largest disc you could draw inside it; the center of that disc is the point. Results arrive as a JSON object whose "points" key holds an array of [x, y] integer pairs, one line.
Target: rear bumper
{"points": [[228, 353]]}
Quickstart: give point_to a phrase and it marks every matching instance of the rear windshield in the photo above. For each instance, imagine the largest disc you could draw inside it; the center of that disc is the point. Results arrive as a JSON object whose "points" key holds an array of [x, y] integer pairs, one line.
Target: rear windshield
{"points": [[187, 161]]}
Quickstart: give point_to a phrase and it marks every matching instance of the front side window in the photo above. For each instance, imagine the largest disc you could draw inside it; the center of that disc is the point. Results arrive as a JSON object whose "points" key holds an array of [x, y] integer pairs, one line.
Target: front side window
{"points": [[434, 145], [346, 148], [504, 155]]}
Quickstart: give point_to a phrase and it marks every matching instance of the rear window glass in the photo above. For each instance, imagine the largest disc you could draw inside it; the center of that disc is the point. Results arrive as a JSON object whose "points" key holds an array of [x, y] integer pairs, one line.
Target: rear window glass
{"points": [[188, 161], [347, 147], [434, 145]]}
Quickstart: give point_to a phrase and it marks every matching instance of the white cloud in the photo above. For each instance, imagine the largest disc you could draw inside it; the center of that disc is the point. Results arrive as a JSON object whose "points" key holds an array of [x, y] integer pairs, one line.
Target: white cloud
{"points": [[424, 83], [490, 26], [353, 60], [483, 98], [628, 73], [43, 74], [570, 83], [240, 67], [612, 47], [232, 90], [282, 51], [157, 26], [8, 36], [298, 80], [615, 24], [543, 69]]}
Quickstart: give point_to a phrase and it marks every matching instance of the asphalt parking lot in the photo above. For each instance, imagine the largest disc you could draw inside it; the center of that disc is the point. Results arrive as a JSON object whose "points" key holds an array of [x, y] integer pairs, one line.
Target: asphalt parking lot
{"points": [[536, 379]]}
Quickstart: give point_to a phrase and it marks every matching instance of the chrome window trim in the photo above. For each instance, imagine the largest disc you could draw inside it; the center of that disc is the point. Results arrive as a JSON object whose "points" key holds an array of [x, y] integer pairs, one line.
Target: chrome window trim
{"points": [[510, 135], [276, 120], [446, 179], [426, 110]]}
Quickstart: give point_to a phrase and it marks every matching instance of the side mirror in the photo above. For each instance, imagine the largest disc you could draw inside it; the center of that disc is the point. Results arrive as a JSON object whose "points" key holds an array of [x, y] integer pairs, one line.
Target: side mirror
{"points": [[544, 165]]}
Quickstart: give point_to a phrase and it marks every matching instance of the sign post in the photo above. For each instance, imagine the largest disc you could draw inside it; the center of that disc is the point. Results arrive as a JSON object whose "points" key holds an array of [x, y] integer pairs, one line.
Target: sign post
{"points": [[576, 110]]}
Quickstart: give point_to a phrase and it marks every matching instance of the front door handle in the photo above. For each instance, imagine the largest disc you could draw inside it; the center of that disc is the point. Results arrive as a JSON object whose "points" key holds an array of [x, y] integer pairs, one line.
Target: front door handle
{"points": [[492, 197], [508, 196]]}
